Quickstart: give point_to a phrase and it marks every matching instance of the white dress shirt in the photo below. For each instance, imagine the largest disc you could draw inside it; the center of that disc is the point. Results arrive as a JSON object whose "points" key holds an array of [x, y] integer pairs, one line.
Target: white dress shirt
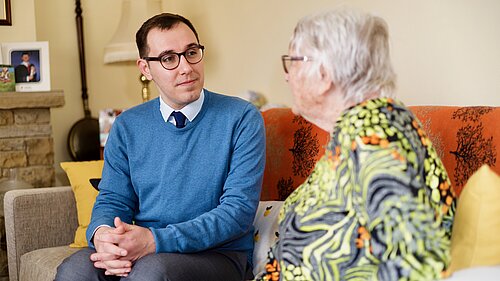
{"points": [[190, 111]]}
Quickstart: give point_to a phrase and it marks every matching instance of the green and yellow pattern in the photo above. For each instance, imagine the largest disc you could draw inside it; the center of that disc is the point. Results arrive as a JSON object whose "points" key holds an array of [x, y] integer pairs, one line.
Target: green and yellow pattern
{"points": [[378, 205]]}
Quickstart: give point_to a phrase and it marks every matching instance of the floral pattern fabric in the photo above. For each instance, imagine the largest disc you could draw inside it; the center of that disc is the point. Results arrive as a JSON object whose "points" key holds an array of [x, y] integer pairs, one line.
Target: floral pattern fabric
{"points": [[377, 206]]}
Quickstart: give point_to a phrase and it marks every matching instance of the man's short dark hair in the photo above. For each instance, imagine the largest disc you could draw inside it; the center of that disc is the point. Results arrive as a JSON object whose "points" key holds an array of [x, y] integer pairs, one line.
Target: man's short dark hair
{"points": [[164, 21]]}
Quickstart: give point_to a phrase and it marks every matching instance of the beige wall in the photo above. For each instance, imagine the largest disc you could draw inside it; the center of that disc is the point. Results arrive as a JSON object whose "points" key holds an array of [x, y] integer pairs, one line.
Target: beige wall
{"points": [[445, 52], [23, 23]]}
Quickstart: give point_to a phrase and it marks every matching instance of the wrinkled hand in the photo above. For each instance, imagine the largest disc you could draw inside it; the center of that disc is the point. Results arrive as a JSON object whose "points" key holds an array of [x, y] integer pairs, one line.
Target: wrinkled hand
{"points": [[110, 256], [129, 243]]}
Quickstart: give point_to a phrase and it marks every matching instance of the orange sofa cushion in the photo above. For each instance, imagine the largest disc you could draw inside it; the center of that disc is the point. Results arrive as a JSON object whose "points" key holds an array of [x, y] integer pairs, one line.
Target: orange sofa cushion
{"points": [[464, 137], [293, 146]]}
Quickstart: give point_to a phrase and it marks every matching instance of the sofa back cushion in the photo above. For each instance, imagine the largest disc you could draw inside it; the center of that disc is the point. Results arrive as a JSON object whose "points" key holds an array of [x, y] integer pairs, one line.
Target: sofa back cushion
{"points": [[464, 137], [293, 146]]}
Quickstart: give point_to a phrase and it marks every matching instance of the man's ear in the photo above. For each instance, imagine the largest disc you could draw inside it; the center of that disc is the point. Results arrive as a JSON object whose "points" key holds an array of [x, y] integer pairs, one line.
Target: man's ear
{"points": [[144, 68]]}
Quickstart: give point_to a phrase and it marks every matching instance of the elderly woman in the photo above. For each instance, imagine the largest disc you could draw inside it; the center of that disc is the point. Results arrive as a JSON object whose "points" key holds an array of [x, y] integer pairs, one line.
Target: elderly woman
{"points": [[378, 205]]}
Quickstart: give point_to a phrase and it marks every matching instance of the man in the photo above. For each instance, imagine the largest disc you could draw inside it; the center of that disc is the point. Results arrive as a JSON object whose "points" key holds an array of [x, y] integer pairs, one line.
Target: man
{"points": [[185, 169], [26, 71]]}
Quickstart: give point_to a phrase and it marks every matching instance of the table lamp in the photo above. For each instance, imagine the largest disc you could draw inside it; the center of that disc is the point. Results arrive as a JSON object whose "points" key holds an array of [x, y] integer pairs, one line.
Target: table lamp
{"points": [[122, 46]]}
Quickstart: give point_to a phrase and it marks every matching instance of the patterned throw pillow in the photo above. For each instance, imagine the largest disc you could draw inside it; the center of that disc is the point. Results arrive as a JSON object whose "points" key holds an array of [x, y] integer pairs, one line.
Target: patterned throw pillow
{"points": [[265, 233]]}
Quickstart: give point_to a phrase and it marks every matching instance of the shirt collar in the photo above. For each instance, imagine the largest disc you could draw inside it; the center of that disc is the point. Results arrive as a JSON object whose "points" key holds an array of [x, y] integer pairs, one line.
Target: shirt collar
{"points": [[190, 111]]}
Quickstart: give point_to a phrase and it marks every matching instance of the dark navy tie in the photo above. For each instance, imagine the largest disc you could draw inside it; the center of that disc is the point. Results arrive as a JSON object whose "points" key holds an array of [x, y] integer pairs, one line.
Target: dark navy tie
{"points": [[180, 119]]}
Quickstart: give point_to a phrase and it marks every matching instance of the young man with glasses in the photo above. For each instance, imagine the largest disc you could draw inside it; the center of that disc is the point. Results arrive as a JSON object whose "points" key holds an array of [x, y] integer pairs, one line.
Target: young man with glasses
{"points": [[182, 174]]}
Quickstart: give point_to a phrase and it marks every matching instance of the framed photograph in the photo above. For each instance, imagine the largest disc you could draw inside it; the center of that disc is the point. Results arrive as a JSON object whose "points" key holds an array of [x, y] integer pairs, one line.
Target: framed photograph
{"points": [[31, 65], [7, 78], [106, 119], [5, 13]]}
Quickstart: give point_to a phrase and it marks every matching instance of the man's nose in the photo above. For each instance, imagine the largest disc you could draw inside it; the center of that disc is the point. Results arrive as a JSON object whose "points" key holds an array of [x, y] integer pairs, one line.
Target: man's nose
{"points": [[184, 65]]}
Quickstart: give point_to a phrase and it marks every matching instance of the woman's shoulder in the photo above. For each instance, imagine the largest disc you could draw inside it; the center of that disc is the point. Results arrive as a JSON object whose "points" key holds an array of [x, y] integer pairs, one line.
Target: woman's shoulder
{"points": [[373, 113], [375, 106], [375, 122]]}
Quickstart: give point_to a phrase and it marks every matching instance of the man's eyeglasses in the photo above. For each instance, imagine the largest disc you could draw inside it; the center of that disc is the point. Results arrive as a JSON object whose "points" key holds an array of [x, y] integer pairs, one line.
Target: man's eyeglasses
{"points": [[171, 60], [287, 61]]}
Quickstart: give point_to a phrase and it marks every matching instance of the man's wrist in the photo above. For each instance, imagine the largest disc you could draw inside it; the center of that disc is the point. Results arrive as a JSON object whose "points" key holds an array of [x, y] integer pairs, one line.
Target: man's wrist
{"points": [[95, 231], [151, 246]]}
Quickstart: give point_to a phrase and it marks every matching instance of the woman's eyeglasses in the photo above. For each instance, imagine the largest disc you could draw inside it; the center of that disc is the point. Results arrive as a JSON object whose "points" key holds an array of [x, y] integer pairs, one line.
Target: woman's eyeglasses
{"points": [[287, 61]]}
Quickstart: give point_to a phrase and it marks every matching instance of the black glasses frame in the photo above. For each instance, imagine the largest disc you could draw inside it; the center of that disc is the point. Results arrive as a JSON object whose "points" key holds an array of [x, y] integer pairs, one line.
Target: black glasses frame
{"points": [[158, 58], [286, 58]]}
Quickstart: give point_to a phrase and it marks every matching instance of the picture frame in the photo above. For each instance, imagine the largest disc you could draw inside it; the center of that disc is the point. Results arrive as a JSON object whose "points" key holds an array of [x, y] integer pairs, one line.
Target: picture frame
{"points": [[7, 78], [107, 117], [31, 64], [5, 13]]}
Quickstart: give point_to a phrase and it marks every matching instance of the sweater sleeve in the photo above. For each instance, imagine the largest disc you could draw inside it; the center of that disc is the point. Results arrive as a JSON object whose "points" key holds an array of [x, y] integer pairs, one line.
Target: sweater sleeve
{"points": [[233, 217], [116, 194]]}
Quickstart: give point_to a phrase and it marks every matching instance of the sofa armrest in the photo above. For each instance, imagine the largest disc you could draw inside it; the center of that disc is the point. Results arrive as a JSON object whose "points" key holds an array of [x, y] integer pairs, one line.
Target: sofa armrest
{"points": [[38, 218]]}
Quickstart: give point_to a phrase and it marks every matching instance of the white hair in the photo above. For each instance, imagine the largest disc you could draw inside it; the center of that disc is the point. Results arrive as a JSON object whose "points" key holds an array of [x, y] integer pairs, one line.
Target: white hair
{"points": [[352, 47]]}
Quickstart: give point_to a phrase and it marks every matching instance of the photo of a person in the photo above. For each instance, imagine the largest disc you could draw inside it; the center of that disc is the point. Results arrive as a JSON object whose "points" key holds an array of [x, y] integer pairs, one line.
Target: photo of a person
{"points": [[7, 83], [4, 74], [27, 70]]}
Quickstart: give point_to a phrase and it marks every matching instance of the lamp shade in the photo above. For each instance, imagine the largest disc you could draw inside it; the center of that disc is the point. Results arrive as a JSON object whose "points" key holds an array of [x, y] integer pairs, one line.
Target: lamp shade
{"points": [[122, 46]]}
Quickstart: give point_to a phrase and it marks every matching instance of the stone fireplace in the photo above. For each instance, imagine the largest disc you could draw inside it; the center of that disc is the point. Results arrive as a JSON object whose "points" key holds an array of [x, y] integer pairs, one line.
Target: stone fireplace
{"points": [[26, 145], [26, 142]]}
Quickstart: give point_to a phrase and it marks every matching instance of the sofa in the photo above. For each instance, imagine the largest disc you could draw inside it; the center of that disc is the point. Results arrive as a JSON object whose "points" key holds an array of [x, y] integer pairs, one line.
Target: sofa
{"points": [[41, 222]]}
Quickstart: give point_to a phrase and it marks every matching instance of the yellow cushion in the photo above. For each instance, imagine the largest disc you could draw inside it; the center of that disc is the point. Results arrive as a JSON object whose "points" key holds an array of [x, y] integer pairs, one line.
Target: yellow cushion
{"points": [[79, 174], [475, 237]]}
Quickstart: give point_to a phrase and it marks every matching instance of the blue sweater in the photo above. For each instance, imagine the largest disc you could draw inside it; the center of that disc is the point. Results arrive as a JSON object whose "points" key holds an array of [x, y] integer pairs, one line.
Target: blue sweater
{"points": [[196, 188]]}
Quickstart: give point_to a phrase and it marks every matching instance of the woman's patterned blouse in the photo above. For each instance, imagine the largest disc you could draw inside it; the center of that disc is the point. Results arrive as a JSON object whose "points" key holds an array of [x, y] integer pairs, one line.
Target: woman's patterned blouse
{"points": [[377, 206]]}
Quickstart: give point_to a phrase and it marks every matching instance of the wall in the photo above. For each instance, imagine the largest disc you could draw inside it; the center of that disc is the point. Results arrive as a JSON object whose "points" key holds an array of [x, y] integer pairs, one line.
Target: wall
{"points": [[445, 52], [23, 22]]}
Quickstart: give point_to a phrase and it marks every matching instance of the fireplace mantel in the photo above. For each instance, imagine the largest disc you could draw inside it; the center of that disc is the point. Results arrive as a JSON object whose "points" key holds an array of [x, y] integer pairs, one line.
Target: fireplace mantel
{"points": [[11, 100], [26, 142]]}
